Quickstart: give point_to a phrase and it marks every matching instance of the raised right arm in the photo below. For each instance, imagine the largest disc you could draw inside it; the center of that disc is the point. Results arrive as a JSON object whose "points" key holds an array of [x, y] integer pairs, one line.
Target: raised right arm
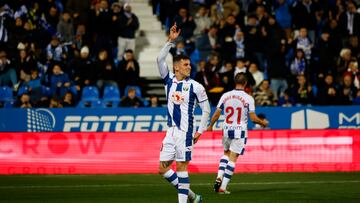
{"points": [[161, 59]]}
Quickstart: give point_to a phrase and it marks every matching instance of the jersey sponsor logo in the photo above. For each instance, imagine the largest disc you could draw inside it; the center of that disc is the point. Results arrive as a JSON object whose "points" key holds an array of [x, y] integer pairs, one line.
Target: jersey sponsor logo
{"points": [[177, 98]]}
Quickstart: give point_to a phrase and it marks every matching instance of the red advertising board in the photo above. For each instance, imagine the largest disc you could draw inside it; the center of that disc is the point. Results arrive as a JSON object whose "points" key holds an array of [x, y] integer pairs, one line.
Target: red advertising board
{"points": [[115, 153]]}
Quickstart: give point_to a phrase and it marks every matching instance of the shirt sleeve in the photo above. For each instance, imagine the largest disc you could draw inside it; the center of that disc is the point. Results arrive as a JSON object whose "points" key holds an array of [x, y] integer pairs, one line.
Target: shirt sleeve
{"points": [[251, 105], [220, 104], [201, 93], [161, 61]]}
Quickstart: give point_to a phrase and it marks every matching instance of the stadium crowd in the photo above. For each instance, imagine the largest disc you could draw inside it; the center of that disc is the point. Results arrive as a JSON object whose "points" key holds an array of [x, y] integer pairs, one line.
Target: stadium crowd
{"points": [[295, 52]]}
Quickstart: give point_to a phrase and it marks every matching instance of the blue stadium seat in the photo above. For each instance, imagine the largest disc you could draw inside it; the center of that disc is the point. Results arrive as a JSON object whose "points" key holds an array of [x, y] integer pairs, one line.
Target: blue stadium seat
{"points": [[46, 91], [23, 90], [90, 93], [89, 97], [137, 90], [111, 96], [6, 97]]}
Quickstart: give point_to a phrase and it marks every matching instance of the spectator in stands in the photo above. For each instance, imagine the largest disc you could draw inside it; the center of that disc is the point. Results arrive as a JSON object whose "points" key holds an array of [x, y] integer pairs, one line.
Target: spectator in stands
{"points": [[226, 74], [241, 67], [349, 22], [101, 26], [263, 95], [217, 12], [342, 63], [23, 101], [256, 3], [262, 16], [55, 103], [186, 23], [256, 73], [52, 16], [233, 47], [154, 101], [208, 43], [131, 100], [79, 11], [106, 72], [324, 52], [255, 40], [286, 100], [327, 93], [25, 61], [277, 70], [239, 41], [283, 16], [179, 49], [302, 91], [303, 42], [35, 81], [116, 12], [84, 71], [68, 100], [65, 27], [347, 91], [5, 22], [7, 72], [298, 65], [354, 46], [18, 33], [128, 23], [129, 70], [54, 51], [303, 17], [353, 69], [227, 31], [35, 88], [202, 21], [203, 76], [81, 37], [59, 81]]}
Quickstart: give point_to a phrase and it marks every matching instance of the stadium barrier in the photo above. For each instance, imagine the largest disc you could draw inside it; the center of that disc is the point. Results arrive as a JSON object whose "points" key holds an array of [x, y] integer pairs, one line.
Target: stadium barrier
{"points": [[128, 152], [155, 119]]}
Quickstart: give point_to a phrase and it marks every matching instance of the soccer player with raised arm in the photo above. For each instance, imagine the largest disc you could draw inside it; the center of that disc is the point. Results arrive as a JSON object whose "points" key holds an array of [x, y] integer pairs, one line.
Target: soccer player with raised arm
{"points": [[237, 105], [182, 94]]}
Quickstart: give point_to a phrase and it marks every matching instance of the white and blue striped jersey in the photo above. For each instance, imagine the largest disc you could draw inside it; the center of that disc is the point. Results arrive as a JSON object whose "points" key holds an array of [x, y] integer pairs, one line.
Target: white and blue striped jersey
{"points": [[237, 105], [182, 96]]}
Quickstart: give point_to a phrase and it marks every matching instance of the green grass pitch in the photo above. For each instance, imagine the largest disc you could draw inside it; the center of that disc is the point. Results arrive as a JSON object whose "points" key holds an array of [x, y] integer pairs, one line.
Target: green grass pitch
{"points": [[249, 187]]}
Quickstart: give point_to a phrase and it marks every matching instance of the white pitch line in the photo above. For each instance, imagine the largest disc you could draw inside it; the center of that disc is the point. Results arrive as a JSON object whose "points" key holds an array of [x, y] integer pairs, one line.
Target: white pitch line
{"points": [[195, 184]]}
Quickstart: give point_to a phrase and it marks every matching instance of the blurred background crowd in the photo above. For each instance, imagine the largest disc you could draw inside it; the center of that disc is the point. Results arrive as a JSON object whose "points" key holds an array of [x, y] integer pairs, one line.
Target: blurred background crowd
{"points": [[68, 53]]}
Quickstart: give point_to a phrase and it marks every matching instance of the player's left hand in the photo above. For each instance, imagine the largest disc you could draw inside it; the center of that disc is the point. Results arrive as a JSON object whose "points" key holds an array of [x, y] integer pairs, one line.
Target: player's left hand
{"points": [[196, 137]]}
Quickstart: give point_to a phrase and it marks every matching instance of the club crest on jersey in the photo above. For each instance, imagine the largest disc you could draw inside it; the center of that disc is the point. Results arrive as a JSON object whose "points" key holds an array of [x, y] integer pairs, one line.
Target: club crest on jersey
{"points": [[185, 89], [177, 98]]}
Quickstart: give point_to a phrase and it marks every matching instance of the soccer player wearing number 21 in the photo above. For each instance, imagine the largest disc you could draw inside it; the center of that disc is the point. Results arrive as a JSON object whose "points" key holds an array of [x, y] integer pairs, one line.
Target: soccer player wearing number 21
{"points": [[182, 95], [237, 104]]}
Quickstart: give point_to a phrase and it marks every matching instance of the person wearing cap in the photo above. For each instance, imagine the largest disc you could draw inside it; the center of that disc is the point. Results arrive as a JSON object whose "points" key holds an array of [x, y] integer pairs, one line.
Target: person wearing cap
{"points": [[128, 23], [84, 72]]}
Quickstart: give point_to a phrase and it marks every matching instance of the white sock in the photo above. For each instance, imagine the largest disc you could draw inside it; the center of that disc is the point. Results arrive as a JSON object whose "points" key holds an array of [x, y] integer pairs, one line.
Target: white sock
{"points": [[222, 165], [183, 186], [229, 171], [191, 194], [172, 178]]}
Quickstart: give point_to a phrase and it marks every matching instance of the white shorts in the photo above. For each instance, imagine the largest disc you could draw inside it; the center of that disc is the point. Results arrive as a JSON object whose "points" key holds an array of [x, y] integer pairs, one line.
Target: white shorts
{"points": [[177, 145], [236, 145]]}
